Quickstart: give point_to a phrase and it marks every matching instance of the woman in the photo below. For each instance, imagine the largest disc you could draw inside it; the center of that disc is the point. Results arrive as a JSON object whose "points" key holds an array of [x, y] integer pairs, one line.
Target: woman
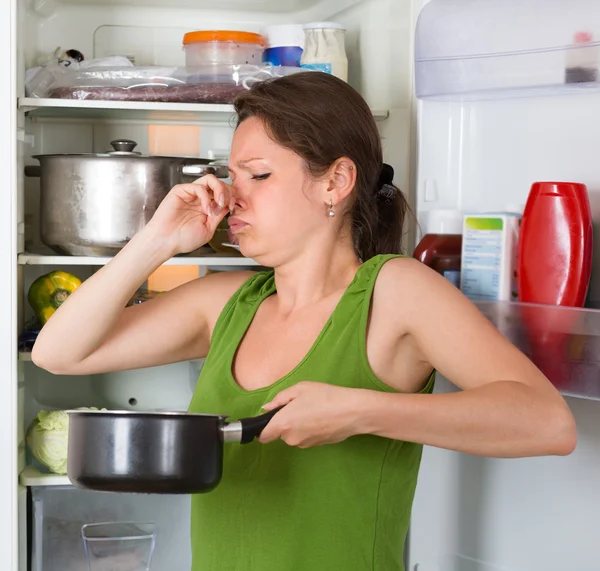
{"points": [[344, 333]]}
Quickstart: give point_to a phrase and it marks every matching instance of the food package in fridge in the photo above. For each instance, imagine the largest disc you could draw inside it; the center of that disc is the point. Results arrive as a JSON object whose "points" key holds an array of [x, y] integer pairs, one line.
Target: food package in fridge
{"points": [[162, 84], [39, 79]]}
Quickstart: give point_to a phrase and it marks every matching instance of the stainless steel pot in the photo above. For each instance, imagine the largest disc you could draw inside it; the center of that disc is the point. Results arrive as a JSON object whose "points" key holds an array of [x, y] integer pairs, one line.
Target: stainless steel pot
{"points": [[93, 204]]}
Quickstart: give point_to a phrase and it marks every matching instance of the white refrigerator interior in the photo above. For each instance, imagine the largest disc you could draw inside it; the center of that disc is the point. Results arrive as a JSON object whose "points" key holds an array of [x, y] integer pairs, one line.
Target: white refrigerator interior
{"points": [[41, 530], [471, 146]]}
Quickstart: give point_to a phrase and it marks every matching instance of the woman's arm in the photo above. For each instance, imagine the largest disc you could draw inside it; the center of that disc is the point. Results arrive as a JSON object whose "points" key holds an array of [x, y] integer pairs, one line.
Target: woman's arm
{"points": [[103, 335], [507, 408]]}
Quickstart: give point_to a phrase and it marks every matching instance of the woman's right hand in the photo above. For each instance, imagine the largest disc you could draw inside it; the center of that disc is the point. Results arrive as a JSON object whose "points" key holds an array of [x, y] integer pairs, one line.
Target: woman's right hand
{"points": [[188, 216]]}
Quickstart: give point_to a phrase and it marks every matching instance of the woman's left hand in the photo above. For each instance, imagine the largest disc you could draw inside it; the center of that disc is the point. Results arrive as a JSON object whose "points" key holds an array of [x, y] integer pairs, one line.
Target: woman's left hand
{"points": [[314, 414]]}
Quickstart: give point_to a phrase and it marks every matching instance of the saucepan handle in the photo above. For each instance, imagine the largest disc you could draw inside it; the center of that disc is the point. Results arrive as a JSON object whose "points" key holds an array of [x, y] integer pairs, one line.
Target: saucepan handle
{"points": [[246, 430], [218, 169], [197, 170], [33, 170]]}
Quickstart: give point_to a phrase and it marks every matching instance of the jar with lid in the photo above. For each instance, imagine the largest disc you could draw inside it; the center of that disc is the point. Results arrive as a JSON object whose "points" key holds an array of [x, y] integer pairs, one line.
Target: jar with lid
{"points": [[222, 48], [324, 49], [284, 44], [441, 247]]}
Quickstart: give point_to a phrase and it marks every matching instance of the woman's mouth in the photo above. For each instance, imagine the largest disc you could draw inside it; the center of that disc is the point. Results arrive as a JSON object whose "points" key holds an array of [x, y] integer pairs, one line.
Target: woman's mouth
{"points": [[236, 224]]}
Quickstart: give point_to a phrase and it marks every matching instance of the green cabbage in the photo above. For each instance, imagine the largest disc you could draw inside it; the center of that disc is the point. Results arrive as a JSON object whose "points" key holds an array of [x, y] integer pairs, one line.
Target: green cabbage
{"points": [[47, 438]]}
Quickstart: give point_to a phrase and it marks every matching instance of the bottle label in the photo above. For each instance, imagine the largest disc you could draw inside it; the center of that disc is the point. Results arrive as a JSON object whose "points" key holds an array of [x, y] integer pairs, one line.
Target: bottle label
{"points": [[482, 258], [324, 67], [453, 276]]}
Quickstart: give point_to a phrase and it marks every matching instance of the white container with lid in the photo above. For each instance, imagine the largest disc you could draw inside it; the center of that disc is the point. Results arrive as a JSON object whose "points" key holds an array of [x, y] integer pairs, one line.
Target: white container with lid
{"points": [[324, 48], [445, 221], [282, 35], [285, 43]]}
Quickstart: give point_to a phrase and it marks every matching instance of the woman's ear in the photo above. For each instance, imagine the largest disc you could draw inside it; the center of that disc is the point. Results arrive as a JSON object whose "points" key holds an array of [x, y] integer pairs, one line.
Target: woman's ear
{"points": [[342, 179]]}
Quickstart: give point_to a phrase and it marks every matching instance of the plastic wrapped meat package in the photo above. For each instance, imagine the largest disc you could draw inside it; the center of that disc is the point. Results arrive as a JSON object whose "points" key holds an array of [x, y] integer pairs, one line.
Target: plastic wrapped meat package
{"points": [[204, 84]]}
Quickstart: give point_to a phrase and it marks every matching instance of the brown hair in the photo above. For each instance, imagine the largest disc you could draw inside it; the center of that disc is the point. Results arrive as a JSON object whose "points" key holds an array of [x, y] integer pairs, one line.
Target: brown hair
{"points": [[321, 118]]}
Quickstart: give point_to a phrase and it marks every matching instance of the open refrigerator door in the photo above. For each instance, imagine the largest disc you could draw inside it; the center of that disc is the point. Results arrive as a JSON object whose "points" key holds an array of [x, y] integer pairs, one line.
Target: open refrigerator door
{"points": [[509, 94]]}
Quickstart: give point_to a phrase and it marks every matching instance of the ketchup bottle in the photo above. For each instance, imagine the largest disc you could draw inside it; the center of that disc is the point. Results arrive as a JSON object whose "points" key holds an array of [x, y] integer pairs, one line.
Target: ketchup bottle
{"points": [[554, 268], [441, 247]]}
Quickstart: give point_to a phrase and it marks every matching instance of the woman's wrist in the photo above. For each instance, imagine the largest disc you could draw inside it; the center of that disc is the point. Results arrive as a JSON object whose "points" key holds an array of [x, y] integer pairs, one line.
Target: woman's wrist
{"points": [[368, 407], [151, 247]]}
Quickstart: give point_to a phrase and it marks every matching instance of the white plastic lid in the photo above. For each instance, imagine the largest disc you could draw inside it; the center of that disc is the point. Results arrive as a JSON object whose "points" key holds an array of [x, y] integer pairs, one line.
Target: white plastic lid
{"points": [[284, 35], [324, 25], [515, 208], [445, 222]]}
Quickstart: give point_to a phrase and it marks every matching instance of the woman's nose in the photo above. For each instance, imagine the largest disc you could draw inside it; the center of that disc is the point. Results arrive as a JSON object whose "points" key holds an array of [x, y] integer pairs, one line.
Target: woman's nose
{"points": [[237, 197]]}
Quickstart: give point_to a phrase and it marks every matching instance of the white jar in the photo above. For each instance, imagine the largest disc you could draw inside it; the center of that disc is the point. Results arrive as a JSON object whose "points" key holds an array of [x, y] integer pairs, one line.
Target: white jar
{"points": [[324, 48]]}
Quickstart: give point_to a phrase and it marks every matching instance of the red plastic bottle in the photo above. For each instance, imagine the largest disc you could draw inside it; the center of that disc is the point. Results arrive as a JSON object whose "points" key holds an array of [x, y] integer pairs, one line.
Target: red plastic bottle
{"points": [[555, 245], [554, 268]]}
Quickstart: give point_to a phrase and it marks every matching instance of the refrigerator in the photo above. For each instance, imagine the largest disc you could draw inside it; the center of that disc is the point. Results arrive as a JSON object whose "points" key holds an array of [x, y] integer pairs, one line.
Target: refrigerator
{"points": [[472, 104]]}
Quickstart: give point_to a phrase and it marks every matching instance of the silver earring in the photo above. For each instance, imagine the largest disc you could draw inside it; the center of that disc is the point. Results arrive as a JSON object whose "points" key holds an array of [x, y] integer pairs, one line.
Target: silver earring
{"points": [[331, 212]]}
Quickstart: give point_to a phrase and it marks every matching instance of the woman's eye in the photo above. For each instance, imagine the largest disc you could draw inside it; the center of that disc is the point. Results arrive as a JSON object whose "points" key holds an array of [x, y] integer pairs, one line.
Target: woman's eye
{"points": [[261, 176]]}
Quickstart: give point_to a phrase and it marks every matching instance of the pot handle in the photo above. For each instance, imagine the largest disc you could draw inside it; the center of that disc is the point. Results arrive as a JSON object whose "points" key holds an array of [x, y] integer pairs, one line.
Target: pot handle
{"points": [[246, 430], [33, 171], [198, 170]]}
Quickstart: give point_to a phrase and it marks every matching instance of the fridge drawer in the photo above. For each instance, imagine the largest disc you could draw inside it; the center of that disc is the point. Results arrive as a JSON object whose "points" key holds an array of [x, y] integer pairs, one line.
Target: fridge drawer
{"points": [[59, 512]]}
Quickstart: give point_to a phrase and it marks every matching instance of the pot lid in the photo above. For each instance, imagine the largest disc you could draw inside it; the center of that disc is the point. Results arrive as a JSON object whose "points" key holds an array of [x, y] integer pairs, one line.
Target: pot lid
{"points": [[124, 148], [121, 147]]}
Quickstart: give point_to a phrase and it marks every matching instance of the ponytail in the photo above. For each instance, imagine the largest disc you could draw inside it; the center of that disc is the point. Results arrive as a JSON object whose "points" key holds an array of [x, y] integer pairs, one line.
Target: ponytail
{"points": [[378, 218]]}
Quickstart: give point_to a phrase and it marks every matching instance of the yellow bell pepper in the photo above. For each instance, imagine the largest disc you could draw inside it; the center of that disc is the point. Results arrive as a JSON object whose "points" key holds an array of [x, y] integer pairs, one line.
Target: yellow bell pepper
{"points": [[49, 291]]}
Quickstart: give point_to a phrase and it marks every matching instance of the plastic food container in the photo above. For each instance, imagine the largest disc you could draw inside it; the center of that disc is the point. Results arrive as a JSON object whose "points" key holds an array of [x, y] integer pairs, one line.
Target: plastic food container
{"points": [[60, 512], [222, 47], [126, 546], [324, 49], [285, 44]]}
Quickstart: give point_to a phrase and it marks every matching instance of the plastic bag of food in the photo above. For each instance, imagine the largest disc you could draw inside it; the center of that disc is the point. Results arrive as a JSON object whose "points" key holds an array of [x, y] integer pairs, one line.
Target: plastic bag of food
{"points": [[39, 80], [204, 84]]}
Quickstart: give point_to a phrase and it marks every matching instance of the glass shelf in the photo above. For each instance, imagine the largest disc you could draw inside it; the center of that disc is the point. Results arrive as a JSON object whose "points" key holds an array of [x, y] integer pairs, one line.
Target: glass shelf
{"points": [[563, 342], [210, 260], [31, 476], [137, 110]]}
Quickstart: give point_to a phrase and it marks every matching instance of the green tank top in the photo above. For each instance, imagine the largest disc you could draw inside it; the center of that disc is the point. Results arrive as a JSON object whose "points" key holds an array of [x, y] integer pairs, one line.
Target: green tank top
{"points": [[339, 507]]}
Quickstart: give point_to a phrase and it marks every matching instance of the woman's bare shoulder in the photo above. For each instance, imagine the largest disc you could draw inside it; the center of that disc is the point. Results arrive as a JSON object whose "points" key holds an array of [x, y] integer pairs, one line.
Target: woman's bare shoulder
{"points": [[219, 285], [210, 293], [406, 286]]}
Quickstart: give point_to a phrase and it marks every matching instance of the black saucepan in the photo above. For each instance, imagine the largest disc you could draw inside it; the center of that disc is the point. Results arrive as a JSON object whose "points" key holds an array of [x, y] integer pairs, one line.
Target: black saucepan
{"points": [[152, 453]]}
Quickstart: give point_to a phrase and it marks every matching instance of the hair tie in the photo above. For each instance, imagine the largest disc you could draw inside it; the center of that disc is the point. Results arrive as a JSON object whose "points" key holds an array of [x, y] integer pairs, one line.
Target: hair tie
{"points": [[386, 177], [385, 184]]}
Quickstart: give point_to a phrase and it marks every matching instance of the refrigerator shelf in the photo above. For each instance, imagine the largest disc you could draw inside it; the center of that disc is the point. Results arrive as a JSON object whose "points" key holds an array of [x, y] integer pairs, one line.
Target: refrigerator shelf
{"points": [[27, 259], [135, 110], [510, 49], [31, 476], [564, 342]]}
